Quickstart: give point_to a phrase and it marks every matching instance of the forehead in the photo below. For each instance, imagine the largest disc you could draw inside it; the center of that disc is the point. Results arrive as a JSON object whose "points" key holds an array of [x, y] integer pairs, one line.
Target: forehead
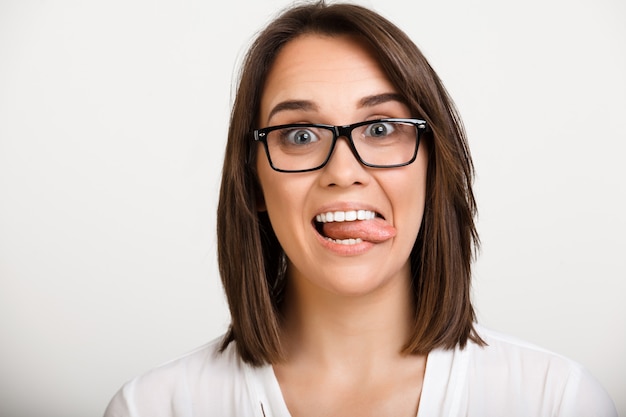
{"points": [[329, 71]]}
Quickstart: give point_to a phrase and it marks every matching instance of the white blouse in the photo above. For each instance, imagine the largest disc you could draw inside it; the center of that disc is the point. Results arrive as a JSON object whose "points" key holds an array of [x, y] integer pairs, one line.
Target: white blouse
{"points": [[506, 378]]}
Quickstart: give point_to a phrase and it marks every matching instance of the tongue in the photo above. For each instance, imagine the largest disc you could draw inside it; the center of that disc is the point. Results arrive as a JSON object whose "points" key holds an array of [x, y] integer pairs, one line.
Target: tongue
{"points": [[375, 230]]}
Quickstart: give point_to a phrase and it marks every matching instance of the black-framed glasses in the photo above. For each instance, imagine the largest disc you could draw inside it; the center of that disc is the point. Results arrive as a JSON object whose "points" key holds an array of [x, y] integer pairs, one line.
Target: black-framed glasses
{"points": [[302, 147]]}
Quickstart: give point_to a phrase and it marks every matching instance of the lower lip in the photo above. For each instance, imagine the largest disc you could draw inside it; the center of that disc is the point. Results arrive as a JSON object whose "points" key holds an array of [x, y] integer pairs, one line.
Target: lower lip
{"points": [[341, 249]]}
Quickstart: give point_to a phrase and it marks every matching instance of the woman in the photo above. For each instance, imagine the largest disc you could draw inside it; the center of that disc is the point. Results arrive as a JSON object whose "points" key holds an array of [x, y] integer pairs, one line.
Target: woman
{"points": [[346, 235]]}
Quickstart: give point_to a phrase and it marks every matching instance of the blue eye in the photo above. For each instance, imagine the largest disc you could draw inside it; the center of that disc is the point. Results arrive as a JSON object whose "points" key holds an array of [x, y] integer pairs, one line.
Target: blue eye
{"points": [[380, 130], [299, 136]]}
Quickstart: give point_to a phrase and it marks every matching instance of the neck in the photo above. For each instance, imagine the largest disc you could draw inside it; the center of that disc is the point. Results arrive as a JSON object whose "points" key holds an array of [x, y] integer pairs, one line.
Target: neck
{"points": [[332, 329]]}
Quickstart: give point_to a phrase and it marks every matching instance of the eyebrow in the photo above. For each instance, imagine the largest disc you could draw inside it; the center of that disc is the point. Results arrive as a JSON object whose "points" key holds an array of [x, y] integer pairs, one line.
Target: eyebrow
{"points": [[306, 105], [371, 101]]}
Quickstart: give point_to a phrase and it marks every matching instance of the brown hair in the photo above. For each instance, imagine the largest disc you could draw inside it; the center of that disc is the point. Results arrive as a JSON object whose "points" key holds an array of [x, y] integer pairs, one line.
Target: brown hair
{"points": [[251, 260]]}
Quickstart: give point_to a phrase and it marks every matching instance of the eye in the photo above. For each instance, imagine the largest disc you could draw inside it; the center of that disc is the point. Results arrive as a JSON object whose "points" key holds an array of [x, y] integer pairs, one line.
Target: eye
{"points": [[298, 136], [379, 130]]}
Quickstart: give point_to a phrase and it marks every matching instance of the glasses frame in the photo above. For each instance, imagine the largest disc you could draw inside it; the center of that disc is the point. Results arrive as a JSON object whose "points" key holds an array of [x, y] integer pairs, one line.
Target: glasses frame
{"points": [[344, 131]]}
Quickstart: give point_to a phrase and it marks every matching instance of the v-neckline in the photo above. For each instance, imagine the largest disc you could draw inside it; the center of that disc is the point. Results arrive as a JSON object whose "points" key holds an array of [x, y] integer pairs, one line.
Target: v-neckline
{"points": [[436, 387]]}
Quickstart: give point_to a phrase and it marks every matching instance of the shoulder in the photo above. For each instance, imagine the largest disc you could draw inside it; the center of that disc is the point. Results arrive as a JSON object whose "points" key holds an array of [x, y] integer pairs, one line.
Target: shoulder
{"points": [[512, 352], [204, 365], [539, 377], [203, 380]]}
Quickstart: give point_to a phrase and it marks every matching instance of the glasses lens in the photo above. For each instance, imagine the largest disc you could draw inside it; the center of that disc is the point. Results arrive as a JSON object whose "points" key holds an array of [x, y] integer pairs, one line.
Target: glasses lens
{"points": [[385, 144], [299, 148]]}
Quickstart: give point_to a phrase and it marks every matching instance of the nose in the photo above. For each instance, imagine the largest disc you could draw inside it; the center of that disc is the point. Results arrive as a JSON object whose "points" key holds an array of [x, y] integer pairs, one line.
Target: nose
{"points": [[343, 169]]}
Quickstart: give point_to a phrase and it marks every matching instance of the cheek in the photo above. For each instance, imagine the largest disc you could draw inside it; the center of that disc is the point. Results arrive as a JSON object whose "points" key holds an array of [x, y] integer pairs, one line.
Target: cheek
{"points": [[282, 195], [282, 192], [409, 196], [413, 202]]}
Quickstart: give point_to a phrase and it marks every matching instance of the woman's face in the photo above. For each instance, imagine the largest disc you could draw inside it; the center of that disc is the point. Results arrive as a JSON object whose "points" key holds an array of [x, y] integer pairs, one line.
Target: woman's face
{"points": [[335, 80]]}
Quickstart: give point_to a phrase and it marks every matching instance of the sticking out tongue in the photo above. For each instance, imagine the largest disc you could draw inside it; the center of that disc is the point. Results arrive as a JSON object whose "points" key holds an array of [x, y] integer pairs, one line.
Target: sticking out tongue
{"points": [[375, 230]]}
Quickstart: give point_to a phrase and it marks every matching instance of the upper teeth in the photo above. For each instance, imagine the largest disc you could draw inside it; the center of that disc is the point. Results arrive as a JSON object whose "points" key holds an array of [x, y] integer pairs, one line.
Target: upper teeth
{"points": [[345, 216]]}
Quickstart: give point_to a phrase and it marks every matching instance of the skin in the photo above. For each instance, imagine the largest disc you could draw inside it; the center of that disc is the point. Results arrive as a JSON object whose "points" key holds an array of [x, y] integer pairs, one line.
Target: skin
{"points": [[348, 309]]}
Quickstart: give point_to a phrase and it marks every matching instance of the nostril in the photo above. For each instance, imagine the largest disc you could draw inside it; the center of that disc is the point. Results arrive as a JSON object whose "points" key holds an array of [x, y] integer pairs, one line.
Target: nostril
{"points": [[340, 185]]}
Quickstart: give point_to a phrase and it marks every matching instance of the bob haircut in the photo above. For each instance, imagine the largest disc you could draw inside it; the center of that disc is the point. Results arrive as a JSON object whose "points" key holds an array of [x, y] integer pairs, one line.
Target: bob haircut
{"points": [[251, 261]]}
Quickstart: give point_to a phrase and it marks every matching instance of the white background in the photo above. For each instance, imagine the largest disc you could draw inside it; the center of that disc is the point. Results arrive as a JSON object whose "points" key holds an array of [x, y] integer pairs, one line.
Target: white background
{"points": [[113, 117]]}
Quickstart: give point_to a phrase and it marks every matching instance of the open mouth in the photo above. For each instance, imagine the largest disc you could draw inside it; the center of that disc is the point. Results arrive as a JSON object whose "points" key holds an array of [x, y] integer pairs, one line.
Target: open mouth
{"points": [[343, 227]]}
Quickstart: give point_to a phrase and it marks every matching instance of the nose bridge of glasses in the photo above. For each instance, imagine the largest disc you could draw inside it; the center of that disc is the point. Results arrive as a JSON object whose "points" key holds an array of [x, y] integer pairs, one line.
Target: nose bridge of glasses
{"points": [[344, 132]]}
